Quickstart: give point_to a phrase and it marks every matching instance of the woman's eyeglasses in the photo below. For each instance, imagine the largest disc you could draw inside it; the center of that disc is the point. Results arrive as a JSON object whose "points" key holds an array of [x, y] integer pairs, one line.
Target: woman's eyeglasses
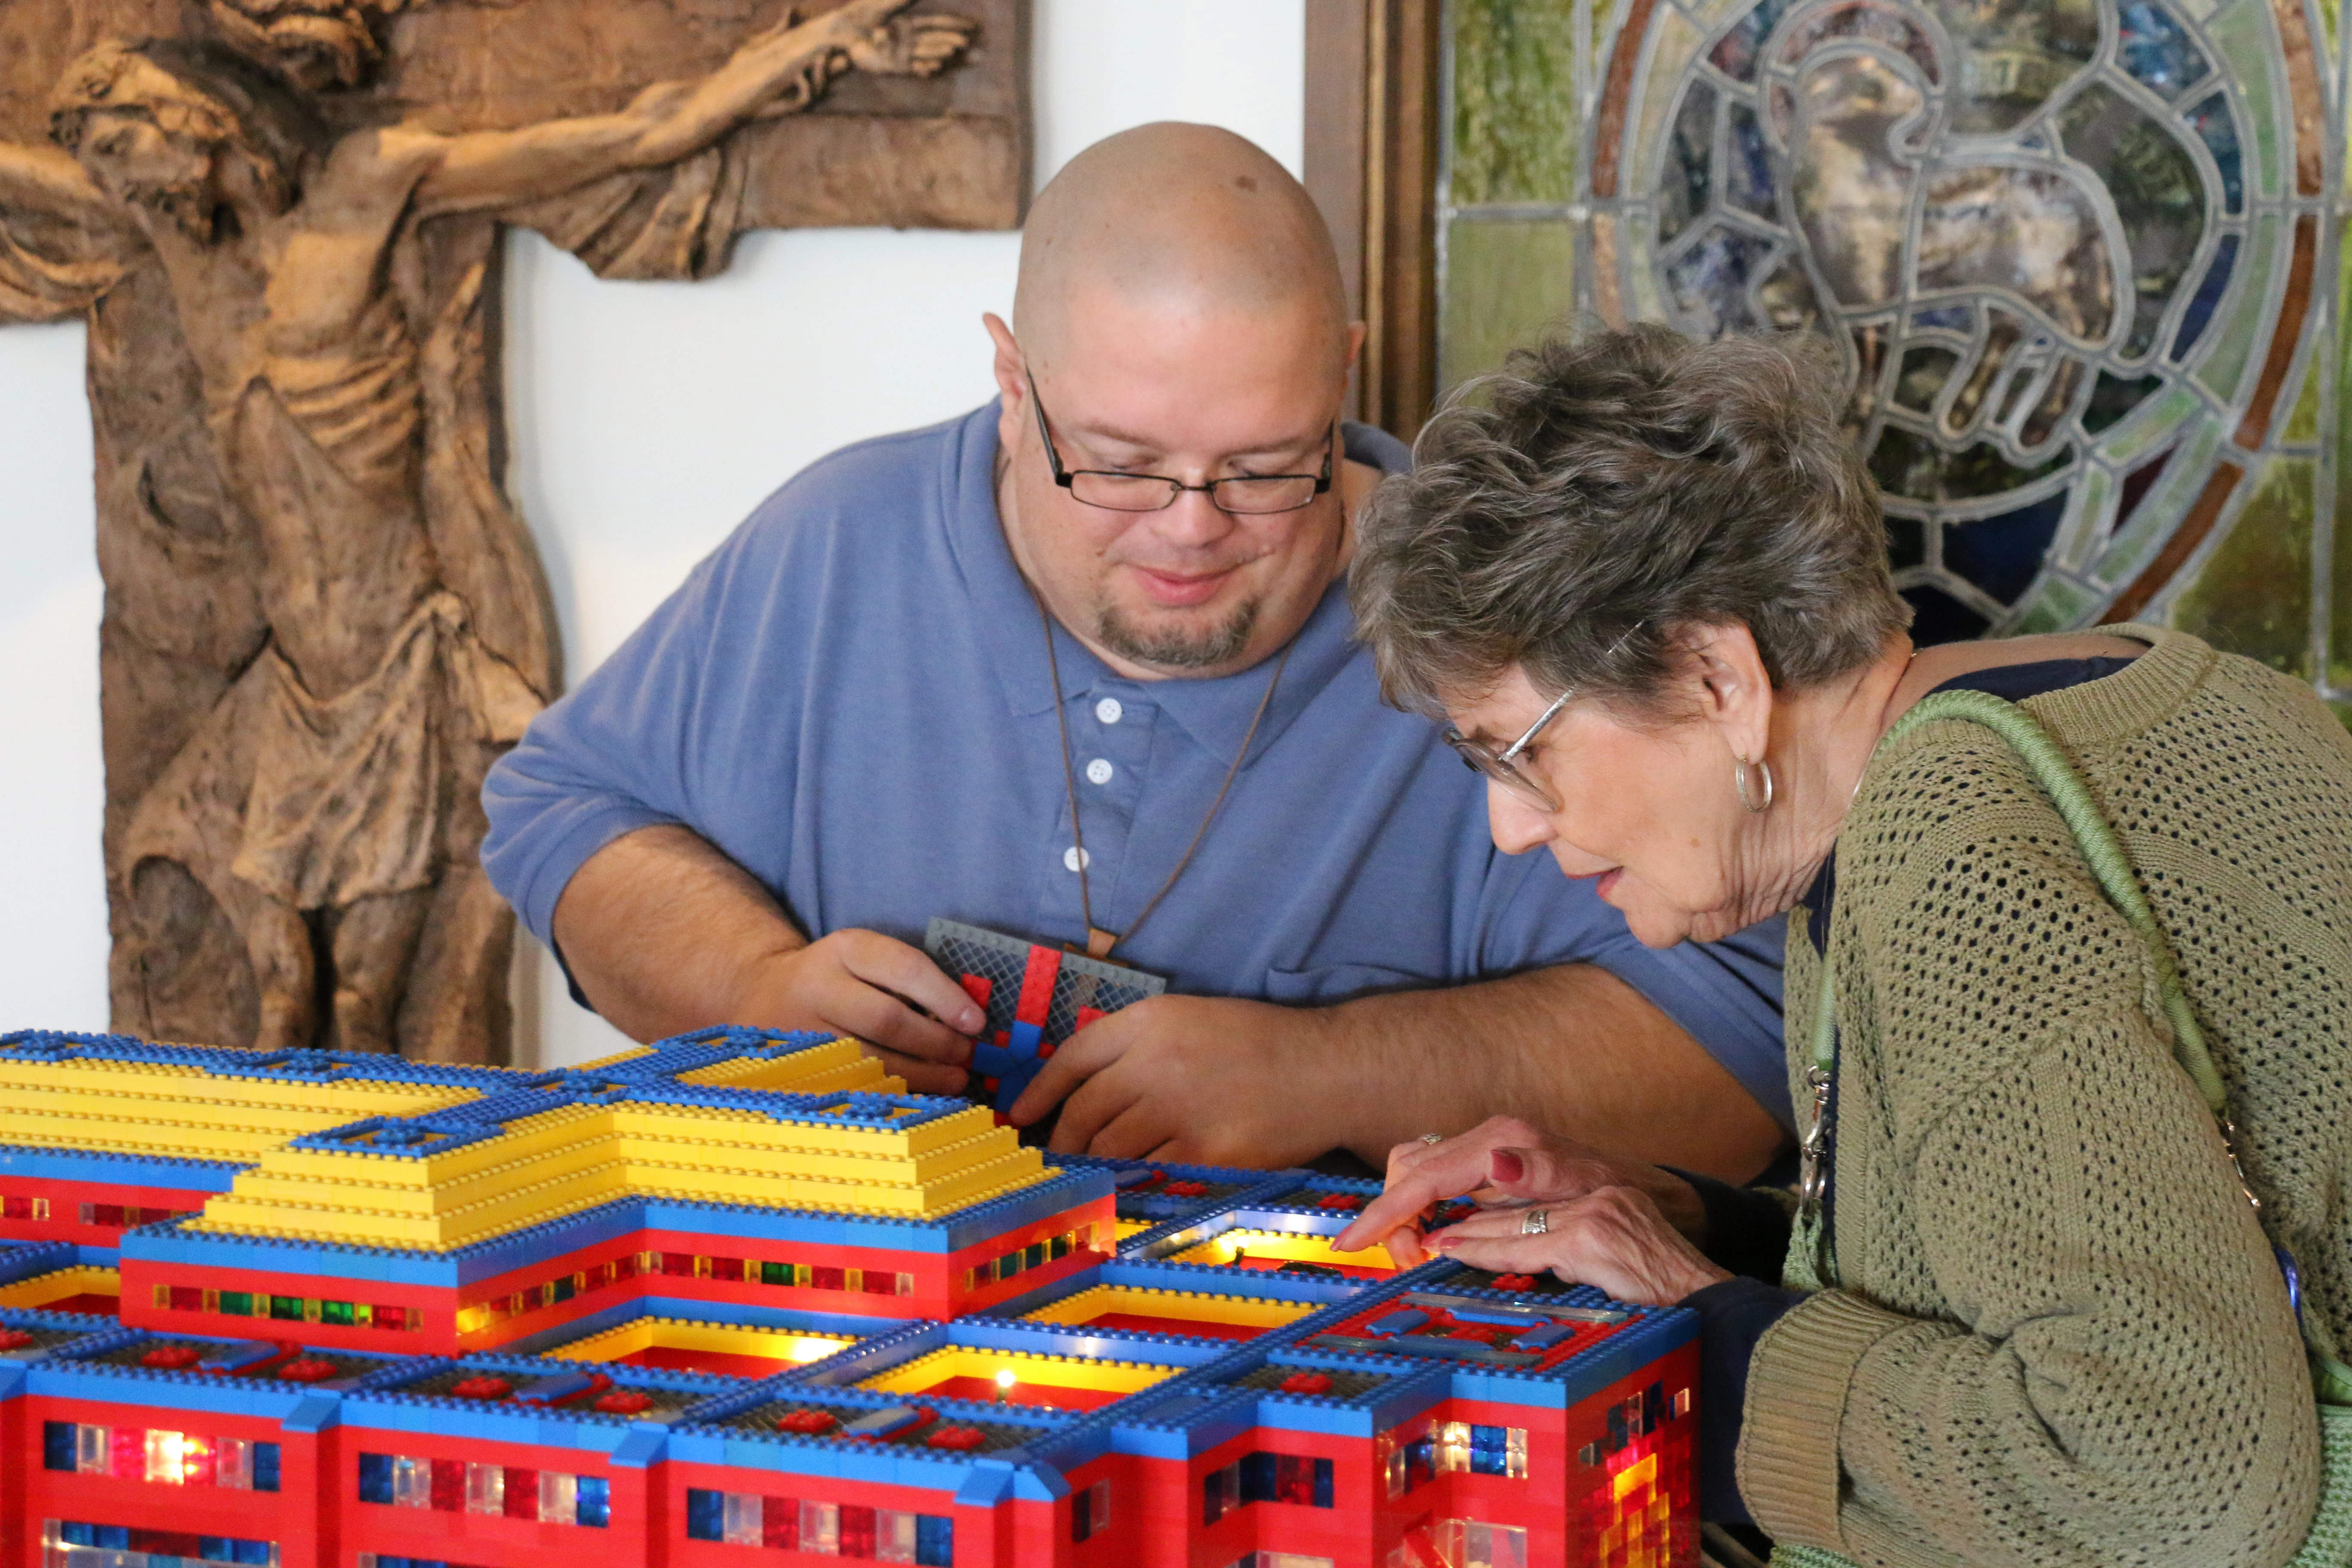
{"points": [[1502, 766]]}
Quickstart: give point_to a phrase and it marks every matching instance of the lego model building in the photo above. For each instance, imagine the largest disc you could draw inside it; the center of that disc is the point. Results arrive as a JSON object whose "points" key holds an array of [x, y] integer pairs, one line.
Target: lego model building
{"points": [[737, 1299]]}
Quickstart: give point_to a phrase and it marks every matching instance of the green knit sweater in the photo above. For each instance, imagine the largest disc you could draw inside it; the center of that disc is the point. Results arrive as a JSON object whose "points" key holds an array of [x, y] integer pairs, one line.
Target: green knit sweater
{"points": [[2060, 1336]]}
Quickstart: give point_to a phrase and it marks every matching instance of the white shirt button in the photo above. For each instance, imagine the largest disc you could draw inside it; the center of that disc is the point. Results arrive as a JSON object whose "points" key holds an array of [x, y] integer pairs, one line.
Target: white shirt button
{"points": [[1100, 772], [1108, 711], [1074, 857]]}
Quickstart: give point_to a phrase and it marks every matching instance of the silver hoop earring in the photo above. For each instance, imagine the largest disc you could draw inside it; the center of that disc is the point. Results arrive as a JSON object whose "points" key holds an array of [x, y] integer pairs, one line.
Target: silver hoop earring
{"points": [[1742, 778]]}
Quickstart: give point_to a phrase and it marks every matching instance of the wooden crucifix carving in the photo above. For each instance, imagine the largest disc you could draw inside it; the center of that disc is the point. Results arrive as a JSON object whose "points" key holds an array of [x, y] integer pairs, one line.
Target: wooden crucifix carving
{"points": [[323, 618]]}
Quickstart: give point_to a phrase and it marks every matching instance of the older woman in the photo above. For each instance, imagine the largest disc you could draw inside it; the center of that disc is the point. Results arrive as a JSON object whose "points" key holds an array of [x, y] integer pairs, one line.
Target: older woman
{"points": [[1646, 580]]}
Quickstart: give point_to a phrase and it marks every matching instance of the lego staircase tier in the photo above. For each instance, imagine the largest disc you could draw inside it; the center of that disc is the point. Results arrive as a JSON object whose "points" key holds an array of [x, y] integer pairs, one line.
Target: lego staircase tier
{"points": [[526, 1283]]}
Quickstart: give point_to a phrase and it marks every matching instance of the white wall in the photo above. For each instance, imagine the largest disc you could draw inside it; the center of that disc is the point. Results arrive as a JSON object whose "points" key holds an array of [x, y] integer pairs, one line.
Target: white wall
{"points": [[647, 419]]}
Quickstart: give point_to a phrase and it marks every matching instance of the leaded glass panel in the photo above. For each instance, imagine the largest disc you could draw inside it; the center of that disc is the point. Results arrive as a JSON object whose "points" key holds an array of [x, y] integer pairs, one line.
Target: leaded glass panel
{"points": [[2068, 253]]}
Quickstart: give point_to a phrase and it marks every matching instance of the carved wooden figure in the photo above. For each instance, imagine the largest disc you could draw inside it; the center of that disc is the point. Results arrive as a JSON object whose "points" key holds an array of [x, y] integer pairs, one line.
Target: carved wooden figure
{"points": [[324, 620]]}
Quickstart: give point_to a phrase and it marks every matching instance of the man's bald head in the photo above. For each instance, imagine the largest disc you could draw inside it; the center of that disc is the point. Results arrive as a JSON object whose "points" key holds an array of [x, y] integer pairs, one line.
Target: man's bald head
{"points": [[1183, 217]]}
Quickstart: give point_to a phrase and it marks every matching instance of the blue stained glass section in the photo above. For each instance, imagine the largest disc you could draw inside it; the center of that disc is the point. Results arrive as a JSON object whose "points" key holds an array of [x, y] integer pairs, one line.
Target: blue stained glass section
{"points": [[56, 1444], [2001, 554], [1735, 56], [2218, 129], [2154, 48], [265, 1466], [934, 1541], [592, 1502], [1955, 318], [375, 1477], [1710, 280], [1937, 617], [1750, 187], [2208, 295], [705, 1514]]}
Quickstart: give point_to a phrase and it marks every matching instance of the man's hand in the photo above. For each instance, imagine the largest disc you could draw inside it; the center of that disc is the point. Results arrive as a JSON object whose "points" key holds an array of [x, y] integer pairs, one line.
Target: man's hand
{"points": [[887, 993], [1505, 1165], [1203, 1081]]}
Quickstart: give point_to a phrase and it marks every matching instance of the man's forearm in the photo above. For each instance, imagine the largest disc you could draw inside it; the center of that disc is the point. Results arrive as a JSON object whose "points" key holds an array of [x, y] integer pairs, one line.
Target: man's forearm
{"points": [[1574, 1050], [659, 928]]}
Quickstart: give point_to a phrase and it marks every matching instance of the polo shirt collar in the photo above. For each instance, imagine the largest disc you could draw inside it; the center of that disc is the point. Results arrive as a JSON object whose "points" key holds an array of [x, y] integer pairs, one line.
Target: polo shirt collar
{"points": [[1216, 714]]}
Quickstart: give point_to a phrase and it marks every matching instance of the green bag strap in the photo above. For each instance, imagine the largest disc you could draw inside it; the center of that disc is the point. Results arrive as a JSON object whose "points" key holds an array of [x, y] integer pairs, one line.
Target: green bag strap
{"points": [[2055, 771]]}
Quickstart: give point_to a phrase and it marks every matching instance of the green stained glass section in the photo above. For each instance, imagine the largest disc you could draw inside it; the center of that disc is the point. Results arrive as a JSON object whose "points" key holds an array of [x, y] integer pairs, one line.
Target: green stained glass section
{"points": [[2302, 425], [1514, 132], [1505, 282], [2253, 595]]}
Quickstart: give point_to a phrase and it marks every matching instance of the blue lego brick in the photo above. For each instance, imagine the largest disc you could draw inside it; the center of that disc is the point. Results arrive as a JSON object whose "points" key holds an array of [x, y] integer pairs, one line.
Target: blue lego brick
{"points": [[33, 1259], [1086, 1343], [174, 1242], [405, 1407], [872, 1358], [124, 1170], [408, 1137], [702, 1440], [729, 1313], [1407, 1389], [290, 1067]]}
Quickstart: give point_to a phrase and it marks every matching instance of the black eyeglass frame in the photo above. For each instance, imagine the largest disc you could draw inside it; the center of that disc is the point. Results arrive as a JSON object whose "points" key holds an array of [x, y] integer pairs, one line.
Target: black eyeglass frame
{"points": [[1067, 477]]}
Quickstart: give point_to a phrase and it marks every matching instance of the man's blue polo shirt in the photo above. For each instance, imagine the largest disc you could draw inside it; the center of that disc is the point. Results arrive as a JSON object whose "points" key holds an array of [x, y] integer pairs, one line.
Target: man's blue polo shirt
{"points": [[851, 699]]}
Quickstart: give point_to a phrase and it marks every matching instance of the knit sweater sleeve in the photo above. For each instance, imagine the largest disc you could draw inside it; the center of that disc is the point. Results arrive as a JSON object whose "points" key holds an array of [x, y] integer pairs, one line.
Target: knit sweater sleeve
{"points": [[2062, 1337]]}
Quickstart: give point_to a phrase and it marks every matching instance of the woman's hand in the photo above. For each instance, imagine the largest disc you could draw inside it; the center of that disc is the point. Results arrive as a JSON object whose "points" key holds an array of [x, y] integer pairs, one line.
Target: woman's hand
{"points": [[1613, 1238], [1505, 1165]]}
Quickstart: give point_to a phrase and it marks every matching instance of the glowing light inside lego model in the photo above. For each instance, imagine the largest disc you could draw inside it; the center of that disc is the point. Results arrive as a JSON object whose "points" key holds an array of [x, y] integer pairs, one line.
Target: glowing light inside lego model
{"points": [[809, 1347], [1004, 1382]]}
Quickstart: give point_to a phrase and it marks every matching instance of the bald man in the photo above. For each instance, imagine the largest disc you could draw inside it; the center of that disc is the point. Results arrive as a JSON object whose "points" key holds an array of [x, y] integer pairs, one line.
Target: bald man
{"points": [[1079, 667]]}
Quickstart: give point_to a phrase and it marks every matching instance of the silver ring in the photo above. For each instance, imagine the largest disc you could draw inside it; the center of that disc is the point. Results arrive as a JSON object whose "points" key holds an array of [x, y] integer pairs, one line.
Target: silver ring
{"points": [[1433, 1137], [1535, 1222]]}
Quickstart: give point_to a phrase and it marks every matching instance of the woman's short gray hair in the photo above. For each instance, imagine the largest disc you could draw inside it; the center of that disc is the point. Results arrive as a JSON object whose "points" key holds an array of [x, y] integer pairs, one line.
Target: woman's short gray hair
{"points": [[1636, 482]]}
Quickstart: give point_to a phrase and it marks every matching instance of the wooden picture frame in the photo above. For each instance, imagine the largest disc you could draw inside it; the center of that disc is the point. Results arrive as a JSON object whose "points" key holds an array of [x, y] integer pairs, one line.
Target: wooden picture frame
{"points": [[1373, 105]]}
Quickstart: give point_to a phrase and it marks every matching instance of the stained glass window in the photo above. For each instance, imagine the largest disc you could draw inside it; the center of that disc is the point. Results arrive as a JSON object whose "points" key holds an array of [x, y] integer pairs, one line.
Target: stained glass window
{"points": [[2067, 254]]}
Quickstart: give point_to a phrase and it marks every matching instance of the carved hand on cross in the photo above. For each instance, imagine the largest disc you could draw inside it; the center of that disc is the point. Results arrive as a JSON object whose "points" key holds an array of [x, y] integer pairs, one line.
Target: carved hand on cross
{"points": [[310, 805]]}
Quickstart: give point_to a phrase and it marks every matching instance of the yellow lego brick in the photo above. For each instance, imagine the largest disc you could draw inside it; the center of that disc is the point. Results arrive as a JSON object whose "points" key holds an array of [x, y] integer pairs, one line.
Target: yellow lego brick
{"points": [[928, 1372], [663, 1120], [552, 1133], [63, 1285], [997, 1145], [920, 1200], [191, 1139], [1245, 1312], [278, 1180], [335, 1220], [350, 1099], [681, 1335], [788, 1073], [1289, 1246]]}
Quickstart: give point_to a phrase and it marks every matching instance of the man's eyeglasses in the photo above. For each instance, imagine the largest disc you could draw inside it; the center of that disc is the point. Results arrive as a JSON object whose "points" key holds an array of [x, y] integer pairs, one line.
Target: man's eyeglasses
{"points": [[1502, 766], [1244, 495]]}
